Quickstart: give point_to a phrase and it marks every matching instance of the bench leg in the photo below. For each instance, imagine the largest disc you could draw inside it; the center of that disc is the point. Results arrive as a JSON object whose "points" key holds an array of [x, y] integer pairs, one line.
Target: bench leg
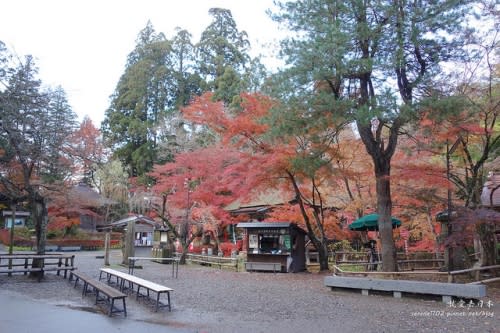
{"points": [[85, 286], [111, 305], [141, 295], [124, 306], [157, 301], [76, 280], [168, 299]]}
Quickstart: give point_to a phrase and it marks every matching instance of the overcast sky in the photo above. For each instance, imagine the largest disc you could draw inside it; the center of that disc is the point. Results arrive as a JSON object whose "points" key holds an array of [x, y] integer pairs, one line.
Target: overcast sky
{"points": [[82, 45]]}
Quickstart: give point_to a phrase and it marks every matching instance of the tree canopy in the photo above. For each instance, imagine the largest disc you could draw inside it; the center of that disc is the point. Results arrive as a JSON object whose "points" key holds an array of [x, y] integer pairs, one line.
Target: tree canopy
{"points": [[375, 61]]}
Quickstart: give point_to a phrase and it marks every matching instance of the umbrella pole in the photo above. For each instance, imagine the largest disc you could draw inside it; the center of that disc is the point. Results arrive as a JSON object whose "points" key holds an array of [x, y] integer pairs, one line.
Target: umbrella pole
{"points": [[364, 236]]}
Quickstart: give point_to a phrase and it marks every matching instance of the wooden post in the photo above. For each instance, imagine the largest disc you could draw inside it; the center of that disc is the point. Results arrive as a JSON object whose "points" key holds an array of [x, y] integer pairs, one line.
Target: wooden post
{"points": [[106, 248], [129, 243], [12, 224]]}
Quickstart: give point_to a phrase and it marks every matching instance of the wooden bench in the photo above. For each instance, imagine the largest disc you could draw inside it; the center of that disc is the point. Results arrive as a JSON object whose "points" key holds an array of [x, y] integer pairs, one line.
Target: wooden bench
{"points": [[263, 266], [100, 288], [398, 287], [132, 280], [23, 263]]}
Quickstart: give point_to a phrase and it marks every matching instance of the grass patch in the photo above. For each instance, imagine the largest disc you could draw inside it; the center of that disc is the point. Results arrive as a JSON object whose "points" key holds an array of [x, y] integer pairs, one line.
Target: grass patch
{"points": [[352, 268], [21, 248]]}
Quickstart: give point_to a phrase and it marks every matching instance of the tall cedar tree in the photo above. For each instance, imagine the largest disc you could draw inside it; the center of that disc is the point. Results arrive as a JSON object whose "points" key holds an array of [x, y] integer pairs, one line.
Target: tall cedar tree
{"points": [[140, 102], [222, 55], [379, 56]]}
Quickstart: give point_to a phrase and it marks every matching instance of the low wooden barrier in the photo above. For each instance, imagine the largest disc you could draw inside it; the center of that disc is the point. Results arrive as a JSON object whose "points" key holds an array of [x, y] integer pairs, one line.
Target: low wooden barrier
{"points": [[173, 261], [477, 271], [213, 260]]}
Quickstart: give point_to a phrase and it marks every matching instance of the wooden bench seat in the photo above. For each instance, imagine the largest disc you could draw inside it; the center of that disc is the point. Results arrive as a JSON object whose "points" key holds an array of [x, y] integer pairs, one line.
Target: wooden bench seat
{"points": [[111, 294], [398, 287], [263, 266], [131, 280]]}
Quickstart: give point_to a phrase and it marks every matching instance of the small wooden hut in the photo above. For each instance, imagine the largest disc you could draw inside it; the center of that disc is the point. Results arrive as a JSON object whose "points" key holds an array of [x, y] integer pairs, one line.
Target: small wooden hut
{"points": [[275, 242]]}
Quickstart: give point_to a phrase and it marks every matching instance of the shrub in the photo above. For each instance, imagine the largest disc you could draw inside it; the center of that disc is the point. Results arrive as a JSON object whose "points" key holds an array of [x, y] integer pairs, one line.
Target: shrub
{"points": [[85, 244], [227, 247], [18, 240]]}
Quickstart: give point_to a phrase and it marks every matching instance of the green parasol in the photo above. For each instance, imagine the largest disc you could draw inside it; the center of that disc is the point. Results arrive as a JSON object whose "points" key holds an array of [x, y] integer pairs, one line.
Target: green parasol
{"points": [[370, 223]]}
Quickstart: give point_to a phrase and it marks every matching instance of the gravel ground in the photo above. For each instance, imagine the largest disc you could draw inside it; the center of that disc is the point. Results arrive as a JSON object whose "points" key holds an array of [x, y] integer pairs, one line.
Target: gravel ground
{"points": [[212, 300]]}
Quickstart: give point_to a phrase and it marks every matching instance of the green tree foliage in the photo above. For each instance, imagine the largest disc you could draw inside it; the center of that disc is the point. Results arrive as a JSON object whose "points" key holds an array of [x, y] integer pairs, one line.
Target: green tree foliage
{"points": [[34, 128], [163, 75], [112, 183], [222, 55], [140, 102], [59, 166], [187, 81], [374, 61]]}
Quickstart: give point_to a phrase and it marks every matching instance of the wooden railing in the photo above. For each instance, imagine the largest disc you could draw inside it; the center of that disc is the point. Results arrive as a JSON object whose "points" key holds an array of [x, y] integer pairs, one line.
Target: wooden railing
{"points": [[213, 260], [477, 273], [451, 275]]}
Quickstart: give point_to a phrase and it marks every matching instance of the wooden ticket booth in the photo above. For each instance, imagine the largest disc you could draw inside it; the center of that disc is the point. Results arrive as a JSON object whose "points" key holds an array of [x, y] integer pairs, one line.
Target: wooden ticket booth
{"points": [[276, 246]]}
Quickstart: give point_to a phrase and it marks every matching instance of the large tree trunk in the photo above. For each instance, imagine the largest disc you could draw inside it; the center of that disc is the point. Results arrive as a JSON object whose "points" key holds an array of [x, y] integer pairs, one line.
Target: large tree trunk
{"points": [[40, 218], [381, 156], [320, 242], [322, 255], [384, 209], [487, 237]]}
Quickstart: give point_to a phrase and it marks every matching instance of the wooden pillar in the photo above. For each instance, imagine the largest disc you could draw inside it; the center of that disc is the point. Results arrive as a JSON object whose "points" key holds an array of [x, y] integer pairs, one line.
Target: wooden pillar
{"points": [[107, 238]]}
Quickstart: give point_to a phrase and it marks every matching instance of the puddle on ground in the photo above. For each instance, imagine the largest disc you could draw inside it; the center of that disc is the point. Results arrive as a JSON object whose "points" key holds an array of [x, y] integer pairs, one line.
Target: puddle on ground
{"points": [[81, 308]]}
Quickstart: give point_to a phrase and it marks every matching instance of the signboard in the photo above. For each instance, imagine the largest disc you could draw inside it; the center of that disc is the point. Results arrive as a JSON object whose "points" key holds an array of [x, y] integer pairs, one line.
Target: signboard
{"points": [[287, 243], [269, 231], [253, 241]]}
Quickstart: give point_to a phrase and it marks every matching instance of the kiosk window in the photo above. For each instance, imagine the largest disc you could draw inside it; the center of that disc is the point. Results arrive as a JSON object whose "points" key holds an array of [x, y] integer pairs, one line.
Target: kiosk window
{"points": [[274, 244]]}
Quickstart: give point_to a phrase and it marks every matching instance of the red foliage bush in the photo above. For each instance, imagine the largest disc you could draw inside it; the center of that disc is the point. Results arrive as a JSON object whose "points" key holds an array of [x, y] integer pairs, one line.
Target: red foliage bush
{"points": [[62, 223], [18, 241], [195, 249], [85, 244], [227, 247]]}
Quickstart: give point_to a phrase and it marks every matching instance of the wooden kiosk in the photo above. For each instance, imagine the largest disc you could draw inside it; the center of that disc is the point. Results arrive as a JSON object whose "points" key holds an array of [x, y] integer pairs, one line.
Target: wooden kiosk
{"points": [[274, 246]]}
